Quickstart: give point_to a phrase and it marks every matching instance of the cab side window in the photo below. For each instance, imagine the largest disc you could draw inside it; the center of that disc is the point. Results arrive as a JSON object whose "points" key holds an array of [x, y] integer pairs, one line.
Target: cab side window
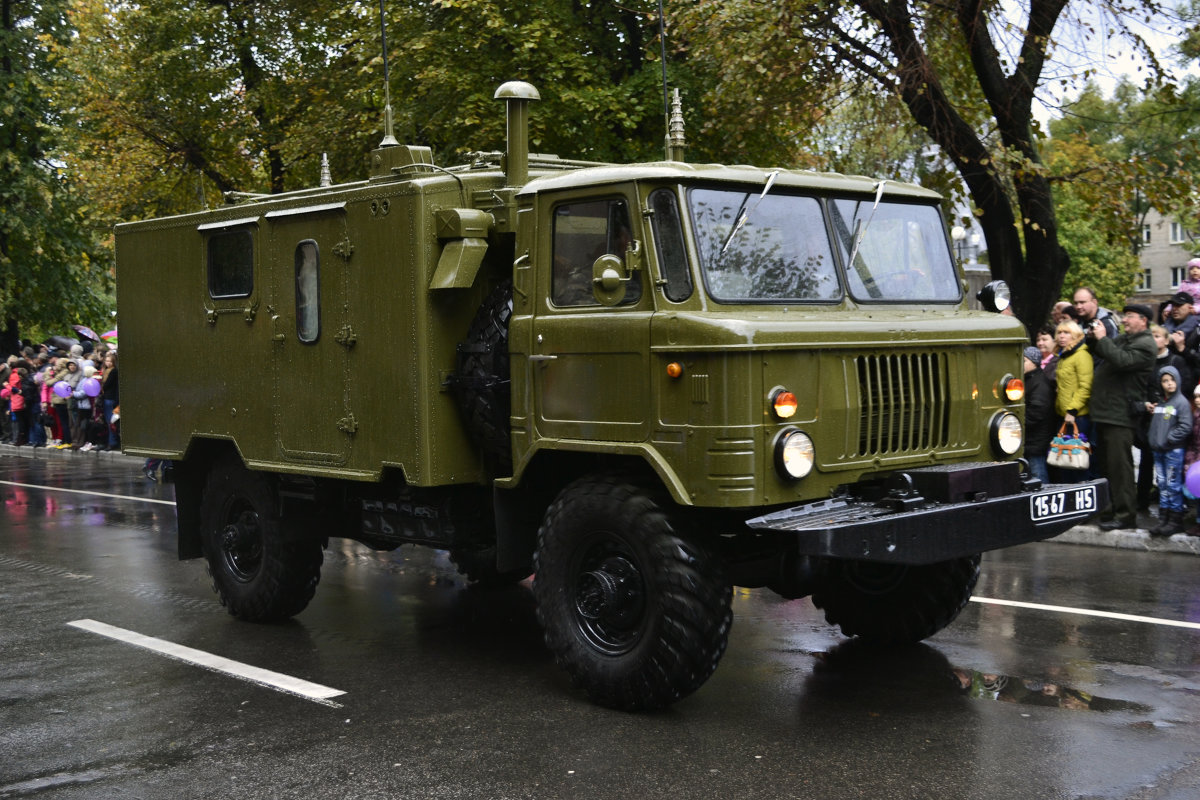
{"points": [[231, 264], [584, 231], [669, 246], [308, 291]]}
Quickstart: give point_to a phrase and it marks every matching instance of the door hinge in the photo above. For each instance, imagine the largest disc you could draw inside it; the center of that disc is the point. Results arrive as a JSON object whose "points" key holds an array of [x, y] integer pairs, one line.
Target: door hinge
{"points": [[344, 248], [348, 424], [346, 336]]}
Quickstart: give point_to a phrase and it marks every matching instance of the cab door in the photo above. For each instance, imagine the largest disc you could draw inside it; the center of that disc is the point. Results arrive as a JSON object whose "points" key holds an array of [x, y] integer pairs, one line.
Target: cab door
{"points": [[589, 361], [312, 336]]}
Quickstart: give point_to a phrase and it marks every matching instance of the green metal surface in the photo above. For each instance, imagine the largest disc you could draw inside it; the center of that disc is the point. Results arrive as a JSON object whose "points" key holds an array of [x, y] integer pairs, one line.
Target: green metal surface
{"points": [[405, 259]]}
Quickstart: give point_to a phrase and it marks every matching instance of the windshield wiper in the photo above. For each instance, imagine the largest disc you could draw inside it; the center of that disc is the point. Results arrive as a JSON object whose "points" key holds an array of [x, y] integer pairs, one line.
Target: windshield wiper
{"points": [[860, 230], [745, 213]]}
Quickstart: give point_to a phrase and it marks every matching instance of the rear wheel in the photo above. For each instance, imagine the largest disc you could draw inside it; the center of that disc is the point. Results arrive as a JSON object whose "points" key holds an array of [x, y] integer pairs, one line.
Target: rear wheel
{"points": [[895, 603], [261, 570], [636, 614]]}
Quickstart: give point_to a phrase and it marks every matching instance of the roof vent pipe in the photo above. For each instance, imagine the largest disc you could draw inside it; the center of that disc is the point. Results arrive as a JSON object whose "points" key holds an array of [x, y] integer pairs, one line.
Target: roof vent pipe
{"points": [[517, 95]]}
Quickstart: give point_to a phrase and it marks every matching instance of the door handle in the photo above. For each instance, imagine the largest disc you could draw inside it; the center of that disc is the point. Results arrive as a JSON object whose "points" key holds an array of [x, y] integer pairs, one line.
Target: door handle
{"points": [[543, 358]]}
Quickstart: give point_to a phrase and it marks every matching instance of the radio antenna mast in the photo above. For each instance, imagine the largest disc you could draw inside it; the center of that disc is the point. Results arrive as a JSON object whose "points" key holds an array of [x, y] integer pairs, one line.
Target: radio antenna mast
{"points": [[389, 136], [673, 143]]}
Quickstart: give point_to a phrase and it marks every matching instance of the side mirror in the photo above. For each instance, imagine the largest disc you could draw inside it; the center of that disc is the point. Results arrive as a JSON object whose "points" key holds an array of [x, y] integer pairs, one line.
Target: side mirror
{"points": [[608, 280]]}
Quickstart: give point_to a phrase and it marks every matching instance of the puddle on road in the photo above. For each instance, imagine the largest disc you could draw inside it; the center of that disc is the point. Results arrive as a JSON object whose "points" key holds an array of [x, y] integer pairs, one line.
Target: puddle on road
{"points": [[923, 669], [1022, 691]]}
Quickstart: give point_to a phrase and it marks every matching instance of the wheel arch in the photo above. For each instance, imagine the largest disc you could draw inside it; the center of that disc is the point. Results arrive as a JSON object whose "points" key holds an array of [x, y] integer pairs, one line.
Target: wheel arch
{"points": [[191, 473]]}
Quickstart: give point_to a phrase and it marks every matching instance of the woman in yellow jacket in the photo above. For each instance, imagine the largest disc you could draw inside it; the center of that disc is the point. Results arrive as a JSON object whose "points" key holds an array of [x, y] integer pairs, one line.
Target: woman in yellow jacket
{"points": [[1074, 387]]}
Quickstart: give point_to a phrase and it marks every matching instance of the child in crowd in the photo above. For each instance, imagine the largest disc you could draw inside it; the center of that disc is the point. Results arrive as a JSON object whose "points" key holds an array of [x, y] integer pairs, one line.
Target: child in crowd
{"points": [[1192, 284], [1170, 427]]}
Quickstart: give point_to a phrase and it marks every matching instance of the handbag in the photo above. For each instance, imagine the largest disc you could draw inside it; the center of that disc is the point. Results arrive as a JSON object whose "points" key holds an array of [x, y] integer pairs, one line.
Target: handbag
{"points": [[1069, 451]]}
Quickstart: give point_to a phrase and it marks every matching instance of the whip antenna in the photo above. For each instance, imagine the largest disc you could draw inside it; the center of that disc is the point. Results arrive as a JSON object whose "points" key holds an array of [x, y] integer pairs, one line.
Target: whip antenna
{"points": [[662, 43], [389, 136], [674, 143]]}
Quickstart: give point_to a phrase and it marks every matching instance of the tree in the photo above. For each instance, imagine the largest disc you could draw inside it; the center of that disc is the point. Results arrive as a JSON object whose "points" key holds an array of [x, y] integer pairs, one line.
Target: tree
{"points": [[967, 73], [1093, 199], [49, 276], [1145, 143], [175, 104]]}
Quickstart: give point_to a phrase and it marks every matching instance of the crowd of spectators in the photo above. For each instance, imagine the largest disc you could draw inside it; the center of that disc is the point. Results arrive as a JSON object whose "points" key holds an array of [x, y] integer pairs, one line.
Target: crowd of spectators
{"points": [[1129, 385], [65, 399]]}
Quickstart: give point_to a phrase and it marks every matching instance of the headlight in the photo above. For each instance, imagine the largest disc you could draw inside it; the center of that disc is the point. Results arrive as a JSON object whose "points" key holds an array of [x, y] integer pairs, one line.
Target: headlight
{"points": [[794, 454], [1006, 434], [995, 296]]}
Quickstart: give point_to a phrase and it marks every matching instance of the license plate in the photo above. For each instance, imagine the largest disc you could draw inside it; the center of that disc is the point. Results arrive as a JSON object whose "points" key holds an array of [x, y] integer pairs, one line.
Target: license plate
{"points": [[1046, 506]]}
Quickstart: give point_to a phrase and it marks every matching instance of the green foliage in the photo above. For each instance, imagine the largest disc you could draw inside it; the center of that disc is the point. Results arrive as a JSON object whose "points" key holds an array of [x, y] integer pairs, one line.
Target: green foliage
{"points": [[1099, 258], [50, 274]]}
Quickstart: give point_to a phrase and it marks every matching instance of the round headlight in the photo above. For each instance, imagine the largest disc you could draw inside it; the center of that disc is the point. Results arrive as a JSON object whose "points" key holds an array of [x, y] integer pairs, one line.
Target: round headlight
{"points": [[1006, 434], [794, 454], [995, 296]]}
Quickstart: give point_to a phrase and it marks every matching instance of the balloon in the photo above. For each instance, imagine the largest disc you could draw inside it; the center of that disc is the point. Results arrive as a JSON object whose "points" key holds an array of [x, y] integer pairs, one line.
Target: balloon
{"points": [[91, 387], [62, 389], [1192, 481]]}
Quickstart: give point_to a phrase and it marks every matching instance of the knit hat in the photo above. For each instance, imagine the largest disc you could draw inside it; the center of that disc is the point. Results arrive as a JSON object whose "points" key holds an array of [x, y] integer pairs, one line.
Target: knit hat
{"points": [[1033, 354], [89, 369]]}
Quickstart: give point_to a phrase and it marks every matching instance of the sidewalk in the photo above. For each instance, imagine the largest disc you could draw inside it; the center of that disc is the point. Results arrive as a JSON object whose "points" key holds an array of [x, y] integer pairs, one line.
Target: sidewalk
{"points": [[1086, 534]]}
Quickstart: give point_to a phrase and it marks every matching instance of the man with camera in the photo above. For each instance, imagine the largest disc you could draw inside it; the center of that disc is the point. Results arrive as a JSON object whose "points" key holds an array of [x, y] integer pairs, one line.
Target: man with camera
{"points": [[1123, 366]]}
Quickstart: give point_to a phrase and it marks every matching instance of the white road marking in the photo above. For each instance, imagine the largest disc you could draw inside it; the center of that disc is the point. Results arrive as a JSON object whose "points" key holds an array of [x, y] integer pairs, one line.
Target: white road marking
{"points": [[94, 494], [1088, 612], [263, 677]]}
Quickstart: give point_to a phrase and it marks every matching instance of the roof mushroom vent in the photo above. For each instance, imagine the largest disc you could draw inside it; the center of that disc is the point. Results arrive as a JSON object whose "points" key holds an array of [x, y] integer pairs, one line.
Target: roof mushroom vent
{"points": [[517, 94]]}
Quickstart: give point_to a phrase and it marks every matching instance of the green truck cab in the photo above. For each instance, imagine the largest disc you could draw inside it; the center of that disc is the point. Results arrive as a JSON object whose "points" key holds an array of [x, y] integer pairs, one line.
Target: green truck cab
{"points": [[644, 383]]}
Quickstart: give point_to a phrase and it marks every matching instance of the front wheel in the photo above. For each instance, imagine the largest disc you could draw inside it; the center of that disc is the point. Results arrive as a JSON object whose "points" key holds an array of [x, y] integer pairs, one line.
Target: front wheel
{"points": [[636, 614], [261, 570], [895, 603]]}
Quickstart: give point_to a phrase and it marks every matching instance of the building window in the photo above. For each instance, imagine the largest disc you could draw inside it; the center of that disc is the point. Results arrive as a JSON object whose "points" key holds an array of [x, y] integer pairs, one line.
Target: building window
{"points": [[1145, 234], [1178, 274], [1145, 284], [1180, 234]]}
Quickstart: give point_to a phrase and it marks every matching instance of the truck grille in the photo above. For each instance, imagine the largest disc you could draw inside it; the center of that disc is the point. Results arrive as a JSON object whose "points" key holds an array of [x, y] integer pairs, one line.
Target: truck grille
{"points": [[904, 402]]}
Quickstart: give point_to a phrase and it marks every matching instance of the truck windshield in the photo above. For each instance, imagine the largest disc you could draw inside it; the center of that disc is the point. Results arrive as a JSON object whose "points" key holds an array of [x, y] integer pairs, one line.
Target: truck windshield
{"points": [[782, 250], [902, 254]]}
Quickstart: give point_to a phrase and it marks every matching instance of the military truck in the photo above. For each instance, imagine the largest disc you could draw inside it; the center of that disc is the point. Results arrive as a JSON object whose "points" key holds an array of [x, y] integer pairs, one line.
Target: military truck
{"points": [[643, 383]]}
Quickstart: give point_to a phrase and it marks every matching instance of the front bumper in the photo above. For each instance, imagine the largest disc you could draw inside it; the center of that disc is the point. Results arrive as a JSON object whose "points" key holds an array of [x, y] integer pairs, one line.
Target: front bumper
{"points": [[936, 514]]}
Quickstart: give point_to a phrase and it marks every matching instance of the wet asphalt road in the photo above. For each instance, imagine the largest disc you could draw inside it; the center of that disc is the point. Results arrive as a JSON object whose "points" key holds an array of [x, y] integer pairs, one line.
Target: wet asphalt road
{"points": [[449, 692]]}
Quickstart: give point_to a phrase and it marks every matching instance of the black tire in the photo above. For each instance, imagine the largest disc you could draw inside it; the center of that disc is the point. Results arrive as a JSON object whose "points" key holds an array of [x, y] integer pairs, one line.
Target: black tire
{"points": [[636, 614], [479, 567], [261, 570], [482, 385], [892, 604]]}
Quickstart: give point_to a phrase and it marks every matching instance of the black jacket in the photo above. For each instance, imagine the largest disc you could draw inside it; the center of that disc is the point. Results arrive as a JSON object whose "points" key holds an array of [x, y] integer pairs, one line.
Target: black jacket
{"points": [[1041, 423]]}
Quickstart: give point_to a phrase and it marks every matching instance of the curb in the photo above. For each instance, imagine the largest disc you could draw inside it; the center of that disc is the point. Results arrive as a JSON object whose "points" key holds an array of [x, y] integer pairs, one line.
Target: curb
{"points": [[48, 453], [1085, 534], [1138, 539]]}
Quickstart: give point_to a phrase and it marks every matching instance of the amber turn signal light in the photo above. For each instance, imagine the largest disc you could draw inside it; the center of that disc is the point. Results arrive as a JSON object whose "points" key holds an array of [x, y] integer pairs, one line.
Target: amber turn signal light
{"points": [[1013, 389], [674, 369], [784, 403]]}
